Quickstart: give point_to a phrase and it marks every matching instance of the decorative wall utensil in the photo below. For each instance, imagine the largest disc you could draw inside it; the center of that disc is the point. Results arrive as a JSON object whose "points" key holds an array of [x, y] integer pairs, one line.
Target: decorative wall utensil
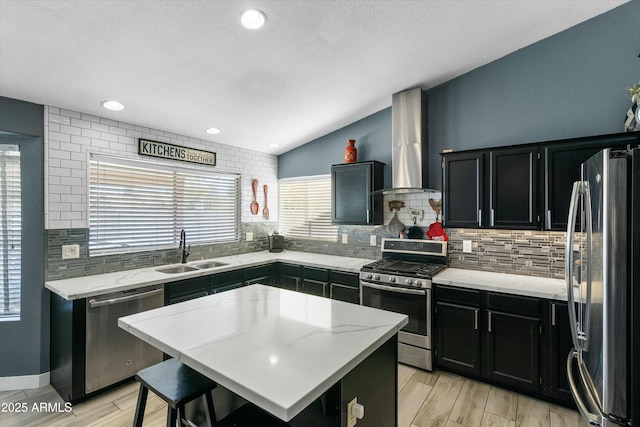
{"points": [[254, 204], [265, 211]]}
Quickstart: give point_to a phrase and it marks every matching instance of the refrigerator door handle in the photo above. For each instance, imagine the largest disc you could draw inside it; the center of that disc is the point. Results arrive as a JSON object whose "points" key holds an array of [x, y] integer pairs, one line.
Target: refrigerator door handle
{"points": [[568, 260], [593, 419]]}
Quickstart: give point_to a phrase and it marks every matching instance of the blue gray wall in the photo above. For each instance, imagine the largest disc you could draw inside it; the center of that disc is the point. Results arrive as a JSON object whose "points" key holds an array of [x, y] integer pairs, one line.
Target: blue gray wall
{"points": [[569, 85], [25, 344]]}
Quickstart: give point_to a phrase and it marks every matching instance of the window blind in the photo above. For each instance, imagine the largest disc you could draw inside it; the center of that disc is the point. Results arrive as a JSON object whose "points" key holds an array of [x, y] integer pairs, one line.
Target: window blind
{"points": [[305, 208], [135, 205], [10, 232]]}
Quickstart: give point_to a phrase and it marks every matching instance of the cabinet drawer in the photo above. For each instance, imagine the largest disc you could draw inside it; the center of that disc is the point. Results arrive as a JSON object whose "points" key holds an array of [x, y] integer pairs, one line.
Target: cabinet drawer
{"points": [[259, 271], [318, 274], [344, 278], [289, 270], [513, 304], [199, 286], [458, 295], [222, 279]]}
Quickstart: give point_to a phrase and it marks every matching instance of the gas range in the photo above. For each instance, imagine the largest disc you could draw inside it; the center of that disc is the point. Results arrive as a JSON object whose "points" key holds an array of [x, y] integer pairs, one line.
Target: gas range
{"points": [[401, 282]]}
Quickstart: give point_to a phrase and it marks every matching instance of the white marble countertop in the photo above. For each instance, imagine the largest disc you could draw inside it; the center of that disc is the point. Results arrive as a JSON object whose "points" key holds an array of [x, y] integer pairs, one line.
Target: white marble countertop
{"points": [[100, 284], [539, 287], [278, 349]]}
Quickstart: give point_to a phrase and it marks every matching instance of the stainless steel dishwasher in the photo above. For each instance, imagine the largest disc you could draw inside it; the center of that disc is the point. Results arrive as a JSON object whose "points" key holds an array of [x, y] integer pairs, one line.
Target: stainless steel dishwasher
{"points": [[113, 354]]}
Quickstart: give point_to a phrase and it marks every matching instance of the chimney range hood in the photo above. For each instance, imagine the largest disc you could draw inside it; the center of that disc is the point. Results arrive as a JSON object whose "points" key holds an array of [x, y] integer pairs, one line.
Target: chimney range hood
{"points": [[409, 155]]}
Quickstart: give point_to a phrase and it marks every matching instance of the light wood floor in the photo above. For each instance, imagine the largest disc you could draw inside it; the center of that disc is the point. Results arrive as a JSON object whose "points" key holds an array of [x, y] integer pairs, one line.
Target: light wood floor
{"points": [[426, 399]]}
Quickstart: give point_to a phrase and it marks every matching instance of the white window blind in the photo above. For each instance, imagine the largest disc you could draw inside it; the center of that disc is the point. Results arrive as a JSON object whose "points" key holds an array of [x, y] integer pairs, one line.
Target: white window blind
{"points": [[135, 205], [10, 232], [305, 208]]}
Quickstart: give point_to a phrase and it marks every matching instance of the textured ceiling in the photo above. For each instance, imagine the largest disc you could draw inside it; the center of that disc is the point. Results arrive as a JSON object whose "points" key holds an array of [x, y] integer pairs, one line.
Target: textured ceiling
{"points": [[186, 65]]}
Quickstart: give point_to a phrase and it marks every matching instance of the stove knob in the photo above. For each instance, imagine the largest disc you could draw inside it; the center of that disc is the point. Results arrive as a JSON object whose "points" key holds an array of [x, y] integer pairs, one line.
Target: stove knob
{"points": [[418, 282], [392, 279], [409, 281], [376, 277], [369, 276]]}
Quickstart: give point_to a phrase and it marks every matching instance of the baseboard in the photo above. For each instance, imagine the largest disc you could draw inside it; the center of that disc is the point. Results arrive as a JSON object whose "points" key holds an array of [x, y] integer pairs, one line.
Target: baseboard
{"points": [[24, 382]]}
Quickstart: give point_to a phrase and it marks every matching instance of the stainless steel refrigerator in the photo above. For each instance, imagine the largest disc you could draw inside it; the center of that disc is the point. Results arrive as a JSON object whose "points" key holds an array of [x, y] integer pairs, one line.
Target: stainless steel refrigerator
{"points": [[603, 285]]}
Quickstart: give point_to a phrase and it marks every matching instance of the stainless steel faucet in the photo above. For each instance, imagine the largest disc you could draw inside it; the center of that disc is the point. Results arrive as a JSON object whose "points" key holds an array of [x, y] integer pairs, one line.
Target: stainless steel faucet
{"points": [[183, 245]]}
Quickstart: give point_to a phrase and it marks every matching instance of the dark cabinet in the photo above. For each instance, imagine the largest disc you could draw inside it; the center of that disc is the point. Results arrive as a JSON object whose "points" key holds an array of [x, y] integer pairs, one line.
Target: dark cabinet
{"points": [[560, 344], [315, 281], [497, 188], [185, 290], [462, 189], [288, 276], [263, 274], [562, 168], [352, 198], [457, 322], [513, 201], [225, 281], [344, 286]]}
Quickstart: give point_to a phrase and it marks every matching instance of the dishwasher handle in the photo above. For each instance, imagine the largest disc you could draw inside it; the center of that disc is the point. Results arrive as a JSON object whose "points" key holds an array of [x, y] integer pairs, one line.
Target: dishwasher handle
{"points": [[100, 303]]}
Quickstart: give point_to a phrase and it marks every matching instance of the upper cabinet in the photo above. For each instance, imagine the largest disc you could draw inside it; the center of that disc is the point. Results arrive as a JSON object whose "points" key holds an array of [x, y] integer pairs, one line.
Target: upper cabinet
{"points": [[519, 187], [352, 198]]}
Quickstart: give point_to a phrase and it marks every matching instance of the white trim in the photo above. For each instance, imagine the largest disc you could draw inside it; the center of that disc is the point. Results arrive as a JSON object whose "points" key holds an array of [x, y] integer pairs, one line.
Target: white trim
{"points": [[24, 382]]}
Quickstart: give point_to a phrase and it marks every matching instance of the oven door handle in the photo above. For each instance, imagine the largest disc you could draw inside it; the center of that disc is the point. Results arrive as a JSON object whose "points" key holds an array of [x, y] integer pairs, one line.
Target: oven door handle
{"points": [[394, 289]]}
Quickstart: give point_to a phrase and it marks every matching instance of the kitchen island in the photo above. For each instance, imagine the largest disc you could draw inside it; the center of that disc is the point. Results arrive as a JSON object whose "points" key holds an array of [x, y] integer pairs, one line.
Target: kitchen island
{"points": [[283, 350]]}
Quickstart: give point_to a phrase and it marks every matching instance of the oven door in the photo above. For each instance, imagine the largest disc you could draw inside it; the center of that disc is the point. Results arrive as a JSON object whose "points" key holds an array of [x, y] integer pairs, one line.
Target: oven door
{"points": [[415, 303]]}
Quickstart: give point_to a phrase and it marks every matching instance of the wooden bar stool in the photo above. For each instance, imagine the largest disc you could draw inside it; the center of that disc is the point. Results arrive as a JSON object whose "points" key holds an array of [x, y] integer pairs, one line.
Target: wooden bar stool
{"points": [[176, 384]]}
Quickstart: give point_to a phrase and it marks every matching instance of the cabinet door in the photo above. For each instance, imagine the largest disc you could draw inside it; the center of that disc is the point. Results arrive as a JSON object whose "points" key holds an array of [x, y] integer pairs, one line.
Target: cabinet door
{"points": [[561, 345], [458, 337], [351, 198], [562, 168], [288, 276], [514, 188], [462, 190], [263, 274], [313, 287], [228, 280], [186, 289], [513, 349], [344, 286]]}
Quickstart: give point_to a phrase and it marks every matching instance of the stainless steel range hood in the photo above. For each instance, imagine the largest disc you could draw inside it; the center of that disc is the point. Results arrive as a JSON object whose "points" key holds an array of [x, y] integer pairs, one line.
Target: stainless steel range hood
{"points": [[409, 155]]}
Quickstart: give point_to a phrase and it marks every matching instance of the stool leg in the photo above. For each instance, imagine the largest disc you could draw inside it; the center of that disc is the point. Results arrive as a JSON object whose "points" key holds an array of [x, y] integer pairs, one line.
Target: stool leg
{"points": [[210, 409], [142, 403], [172, 416]]}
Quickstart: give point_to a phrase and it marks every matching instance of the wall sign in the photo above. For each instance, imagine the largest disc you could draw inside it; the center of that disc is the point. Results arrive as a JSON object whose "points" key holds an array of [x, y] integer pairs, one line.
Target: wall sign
{"points": [[175, 152]]}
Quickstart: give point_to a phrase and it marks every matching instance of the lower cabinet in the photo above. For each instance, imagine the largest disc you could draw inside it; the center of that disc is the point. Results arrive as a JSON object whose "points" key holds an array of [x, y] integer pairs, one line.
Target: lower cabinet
{"points": [[185, 290], [263, 274], [517, 342], [225, 281], [288, 276], [344, 286], [315, 281]]}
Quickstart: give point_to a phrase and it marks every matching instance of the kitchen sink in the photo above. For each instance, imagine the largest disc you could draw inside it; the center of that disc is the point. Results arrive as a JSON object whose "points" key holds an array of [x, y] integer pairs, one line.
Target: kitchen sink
{"points": [[210, 264], [176, 269]]}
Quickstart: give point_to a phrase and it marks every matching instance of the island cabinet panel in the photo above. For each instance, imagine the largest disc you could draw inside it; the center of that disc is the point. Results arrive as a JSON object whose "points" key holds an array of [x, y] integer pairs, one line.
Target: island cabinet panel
{"points": [[315, 281], [457, 319], [514, 188], [288, 276], [559, 346], [352, 198], [513, 340], [225, 281], [344, 286], [463, 189], [185, 290]]}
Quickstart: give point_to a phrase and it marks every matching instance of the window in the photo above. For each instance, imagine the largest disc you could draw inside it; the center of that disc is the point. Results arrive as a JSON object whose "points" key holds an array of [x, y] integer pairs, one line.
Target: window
{"points": [[10, 232], [135, 205], [305, 208]]}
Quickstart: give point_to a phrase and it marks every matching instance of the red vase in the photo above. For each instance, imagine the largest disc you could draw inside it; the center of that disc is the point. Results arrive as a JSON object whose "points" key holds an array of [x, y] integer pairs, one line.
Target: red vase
{"points": [[350, 152]]}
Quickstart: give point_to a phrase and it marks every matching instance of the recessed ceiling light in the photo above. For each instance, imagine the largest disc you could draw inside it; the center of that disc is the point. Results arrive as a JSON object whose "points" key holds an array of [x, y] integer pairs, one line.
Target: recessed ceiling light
{"points": [[112, 105], [253, 19], [274, 145], [213, 131]]}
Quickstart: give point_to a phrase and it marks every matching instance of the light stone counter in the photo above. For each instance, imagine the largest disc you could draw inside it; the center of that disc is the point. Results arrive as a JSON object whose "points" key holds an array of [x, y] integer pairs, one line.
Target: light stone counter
{"points": [[540, 287], [100, 284], [278, 349]]}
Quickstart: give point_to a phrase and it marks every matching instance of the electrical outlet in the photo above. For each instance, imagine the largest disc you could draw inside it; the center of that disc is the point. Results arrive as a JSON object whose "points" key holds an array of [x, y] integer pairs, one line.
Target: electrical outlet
{"points": [[345, 238], [373, 240], [467, 246], [351, 418], [70, 251], [248, 236]]}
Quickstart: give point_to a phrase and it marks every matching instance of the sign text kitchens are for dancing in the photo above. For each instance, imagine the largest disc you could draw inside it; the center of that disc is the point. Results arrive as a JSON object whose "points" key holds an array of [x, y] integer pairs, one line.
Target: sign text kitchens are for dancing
{"points": [[175, 152]]}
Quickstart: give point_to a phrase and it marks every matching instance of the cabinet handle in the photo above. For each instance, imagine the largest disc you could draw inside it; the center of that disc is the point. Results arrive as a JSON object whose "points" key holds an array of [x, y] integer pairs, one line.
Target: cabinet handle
{"points": [[480, 217], [548, 218], [489, 321], [553, 315], [493, 218], [476, 316], [368, 216]]}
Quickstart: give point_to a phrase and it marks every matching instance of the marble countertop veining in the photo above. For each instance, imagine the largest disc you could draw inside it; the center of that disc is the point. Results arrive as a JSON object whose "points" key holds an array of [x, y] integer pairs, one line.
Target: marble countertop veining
{"points": [[100, 284], [540, 287], [278, 349]]}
